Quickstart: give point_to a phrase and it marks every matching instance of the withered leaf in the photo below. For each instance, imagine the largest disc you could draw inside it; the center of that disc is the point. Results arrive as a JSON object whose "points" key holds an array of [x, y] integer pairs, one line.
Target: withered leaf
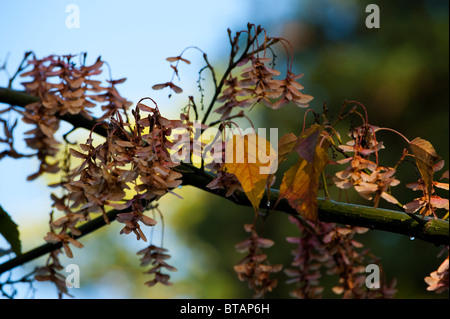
{"points": [[426, 157], [301, 182], [307, 142], [285, 146]]}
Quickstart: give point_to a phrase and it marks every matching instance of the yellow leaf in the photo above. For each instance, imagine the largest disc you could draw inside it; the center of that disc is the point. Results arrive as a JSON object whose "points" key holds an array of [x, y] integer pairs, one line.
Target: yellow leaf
{"points": [[250, 158]]}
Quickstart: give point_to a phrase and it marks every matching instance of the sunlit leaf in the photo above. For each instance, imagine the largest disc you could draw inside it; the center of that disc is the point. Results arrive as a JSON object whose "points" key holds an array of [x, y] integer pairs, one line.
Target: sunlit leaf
{"points": [[244, 161]]}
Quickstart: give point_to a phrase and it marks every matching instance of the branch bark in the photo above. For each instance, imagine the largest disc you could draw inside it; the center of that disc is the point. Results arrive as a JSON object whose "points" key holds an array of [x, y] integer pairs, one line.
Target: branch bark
{"points": [[429, 229], [39, 251]]}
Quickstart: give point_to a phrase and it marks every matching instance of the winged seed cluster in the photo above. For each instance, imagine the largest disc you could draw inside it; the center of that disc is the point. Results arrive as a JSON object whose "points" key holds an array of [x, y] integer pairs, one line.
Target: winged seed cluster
{"points": [[63, 89]]}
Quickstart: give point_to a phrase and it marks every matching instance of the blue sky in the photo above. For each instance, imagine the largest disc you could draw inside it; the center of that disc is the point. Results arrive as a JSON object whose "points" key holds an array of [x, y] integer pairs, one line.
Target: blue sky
{"points": [[134, 37]]}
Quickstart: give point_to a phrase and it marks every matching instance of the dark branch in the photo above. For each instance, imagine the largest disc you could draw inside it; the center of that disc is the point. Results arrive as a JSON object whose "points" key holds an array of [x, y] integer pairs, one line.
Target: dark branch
{"points": [[37, 252], [432, 230]]}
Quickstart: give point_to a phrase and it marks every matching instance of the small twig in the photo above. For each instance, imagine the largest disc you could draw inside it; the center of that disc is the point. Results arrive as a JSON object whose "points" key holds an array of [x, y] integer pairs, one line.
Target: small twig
{"points": [[9, 282], [194, 106], [20, 69], [325, 186], [231, 66]]}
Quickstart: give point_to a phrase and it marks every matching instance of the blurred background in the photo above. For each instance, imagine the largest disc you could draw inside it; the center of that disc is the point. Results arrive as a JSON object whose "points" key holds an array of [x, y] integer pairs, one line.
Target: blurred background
{"points": [[399, 72]]}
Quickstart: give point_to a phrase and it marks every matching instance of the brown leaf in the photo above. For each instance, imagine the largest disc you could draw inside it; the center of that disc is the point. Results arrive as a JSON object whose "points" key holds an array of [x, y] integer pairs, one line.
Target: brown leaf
{"points": [[301, 182], [306, 144], [426, 158], [285, 146]]}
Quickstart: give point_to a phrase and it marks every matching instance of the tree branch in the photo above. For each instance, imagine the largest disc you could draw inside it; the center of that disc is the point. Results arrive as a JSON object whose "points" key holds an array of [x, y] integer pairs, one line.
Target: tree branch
{"points": [[431, 230], [37, 252]]}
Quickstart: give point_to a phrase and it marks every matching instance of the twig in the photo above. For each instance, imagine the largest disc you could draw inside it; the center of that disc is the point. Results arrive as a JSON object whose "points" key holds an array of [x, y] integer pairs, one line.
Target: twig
{"points": [[20, 69]]}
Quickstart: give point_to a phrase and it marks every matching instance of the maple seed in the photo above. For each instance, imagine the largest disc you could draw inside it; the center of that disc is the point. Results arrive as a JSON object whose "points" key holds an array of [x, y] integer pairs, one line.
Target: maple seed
{"points": [[161, 86], [178, 58]]}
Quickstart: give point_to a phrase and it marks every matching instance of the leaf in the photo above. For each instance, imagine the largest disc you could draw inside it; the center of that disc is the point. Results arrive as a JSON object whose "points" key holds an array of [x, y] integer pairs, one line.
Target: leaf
{"points": [[285, 146], [243, 159], [426, 158], [307, 141], [9, 230], [300, 183]]}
